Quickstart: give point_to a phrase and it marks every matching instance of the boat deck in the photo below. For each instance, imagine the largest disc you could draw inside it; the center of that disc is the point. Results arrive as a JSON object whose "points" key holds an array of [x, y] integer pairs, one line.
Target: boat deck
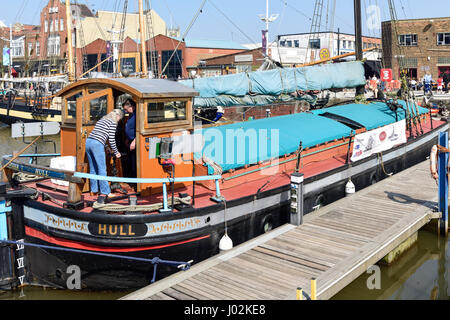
{"points": [[203, 194], [334, 245]]}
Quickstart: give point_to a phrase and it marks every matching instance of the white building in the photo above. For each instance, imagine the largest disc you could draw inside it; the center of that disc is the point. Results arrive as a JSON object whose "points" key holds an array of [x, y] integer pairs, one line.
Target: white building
{"points": [[303, 48]]}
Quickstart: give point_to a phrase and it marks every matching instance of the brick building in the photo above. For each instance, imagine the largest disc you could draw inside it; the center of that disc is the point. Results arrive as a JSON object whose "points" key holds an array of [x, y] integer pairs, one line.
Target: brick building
{"points": [[41, 50], [248, 60], [23, 48], [159, 49], [190, 53], [417, 45]]}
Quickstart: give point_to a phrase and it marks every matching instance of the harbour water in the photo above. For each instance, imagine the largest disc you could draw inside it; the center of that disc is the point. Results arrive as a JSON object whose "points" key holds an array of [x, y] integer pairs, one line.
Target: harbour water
{"points": [[421, 273]]}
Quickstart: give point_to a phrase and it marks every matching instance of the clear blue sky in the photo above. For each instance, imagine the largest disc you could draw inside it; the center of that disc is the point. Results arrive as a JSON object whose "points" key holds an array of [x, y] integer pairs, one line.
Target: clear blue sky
{"points": [[238, 20]]}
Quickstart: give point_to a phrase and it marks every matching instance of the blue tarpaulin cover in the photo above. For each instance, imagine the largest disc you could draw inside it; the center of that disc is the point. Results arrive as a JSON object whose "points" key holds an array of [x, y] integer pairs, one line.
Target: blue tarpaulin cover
{"points": [[230, 89], [235, 145], [372, 115]]}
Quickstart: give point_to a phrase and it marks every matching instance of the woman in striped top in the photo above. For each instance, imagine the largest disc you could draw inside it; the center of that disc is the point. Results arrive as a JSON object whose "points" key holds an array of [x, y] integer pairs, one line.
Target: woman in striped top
{"points": [[104, 130]]}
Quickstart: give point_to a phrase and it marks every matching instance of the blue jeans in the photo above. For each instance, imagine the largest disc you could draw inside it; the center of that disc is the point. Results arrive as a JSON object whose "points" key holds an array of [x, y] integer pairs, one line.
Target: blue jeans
{"points": [[95, 152]]}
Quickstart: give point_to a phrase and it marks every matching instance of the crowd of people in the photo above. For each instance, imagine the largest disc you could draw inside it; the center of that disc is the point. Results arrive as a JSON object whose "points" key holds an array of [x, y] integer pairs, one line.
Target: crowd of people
{"points": [[428, 84], [441, 85]]}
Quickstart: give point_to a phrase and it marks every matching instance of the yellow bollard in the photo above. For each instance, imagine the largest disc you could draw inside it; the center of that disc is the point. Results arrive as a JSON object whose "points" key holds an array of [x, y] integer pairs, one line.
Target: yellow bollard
{"points": [[313, 289], [299, 294]]}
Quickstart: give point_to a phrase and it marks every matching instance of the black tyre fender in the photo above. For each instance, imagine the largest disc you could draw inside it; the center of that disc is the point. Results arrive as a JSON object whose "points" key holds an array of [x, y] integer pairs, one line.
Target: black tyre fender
{"points": [[266, 224]]}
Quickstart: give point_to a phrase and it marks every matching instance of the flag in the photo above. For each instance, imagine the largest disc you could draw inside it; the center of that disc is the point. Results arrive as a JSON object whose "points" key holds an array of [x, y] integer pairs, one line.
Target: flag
{"points": [[264, 40], [6, 56]]}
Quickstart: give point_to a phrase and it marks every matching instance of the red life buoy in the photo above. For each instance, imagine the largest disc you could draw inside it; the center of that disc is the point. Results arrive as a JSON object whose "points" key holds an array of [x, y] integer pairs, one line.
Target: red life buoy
{"points": [[433, 162]]}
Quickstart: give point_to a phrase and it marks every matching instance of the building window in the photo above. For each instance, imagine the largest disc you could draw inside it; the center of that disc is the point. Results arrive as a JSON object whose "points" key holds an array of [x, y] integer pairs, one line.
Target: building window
{"points": [[407, 39], [314, 43], [53, 45], [46, 26], [443, 39], [289, 43], [282, 43], [128, 64], [174, 68], [61, 27], [344, 44], [18, 47], [297, 43], [51, 26], [407, 62], [38, 49]]}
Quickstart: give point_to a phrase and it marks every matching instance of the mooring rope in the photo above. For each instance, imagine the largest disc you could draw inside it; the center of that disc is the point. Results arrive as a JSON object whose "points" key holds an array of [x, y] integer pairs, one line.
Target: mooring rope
{"points": [[137, 208], [155, 261]]}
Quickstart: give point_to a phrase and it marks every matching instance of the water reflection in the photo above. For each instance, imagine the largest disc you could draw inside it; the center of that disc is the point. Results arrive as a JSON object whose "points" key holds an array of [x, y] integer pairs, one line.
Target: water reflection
{"points": [[47, 144], [421, 273], [38, 293]]}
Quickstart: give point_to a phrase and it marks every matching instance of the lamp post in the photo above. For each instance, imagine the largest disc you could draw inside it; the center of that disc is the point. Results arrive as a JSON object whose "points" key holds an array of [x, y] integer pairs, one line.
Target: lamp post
{"points": [[267, 19]]}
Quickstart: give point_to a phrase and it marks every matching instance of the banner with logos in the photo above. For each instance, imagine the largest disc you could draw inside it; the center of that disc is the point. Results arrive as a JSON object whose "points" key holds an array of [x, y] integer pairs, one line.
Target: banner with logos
{"points": [[378, 140], [6, 52]]}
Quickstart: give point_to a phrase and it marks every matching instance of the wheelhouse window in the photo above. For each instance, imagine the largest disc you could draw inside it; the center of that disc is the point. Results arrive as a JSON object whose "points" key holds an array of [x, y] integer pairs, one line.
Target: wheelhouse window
{"points": [[97, 109], [407, 39], [443, 39], [166, 111], [71, 105]]}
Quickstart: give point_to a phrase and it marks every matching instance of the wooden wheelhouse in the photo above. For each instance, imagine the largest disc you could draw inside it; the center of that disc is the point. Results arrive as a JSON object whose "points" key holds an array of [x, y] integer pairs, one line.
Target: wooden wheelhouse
{"points": [[163, 109]]}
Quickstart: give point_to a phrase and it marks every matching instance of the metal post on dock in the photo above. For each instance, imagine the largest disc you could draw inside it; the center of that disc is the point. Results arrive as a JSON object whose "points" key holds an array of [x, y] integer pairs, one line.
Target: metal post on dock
{"points": [[296, 217], [313, 289], [443, 183], [299, 294]]}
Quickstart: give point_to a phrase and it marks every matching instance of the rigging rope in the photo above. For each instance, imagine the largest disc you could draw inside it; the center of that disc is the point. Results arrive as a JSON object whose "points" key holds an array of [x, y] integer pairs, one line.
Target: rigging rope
{"points": [[200, 10]]}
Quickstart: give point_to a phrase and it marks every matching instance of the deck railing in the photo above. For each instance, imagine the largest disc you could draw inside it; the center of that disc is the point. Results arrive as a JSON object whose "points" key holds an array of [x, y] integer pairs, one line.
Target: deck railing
{"points": [[73, 176]]}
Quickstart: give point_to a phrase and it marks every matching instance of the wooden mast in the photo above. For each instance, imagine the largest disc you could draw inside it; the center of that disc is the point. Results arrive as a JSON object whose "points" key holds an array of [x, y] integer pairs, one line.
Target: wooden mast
{"points": [[69, 43], [358, 38], [142, 34]]}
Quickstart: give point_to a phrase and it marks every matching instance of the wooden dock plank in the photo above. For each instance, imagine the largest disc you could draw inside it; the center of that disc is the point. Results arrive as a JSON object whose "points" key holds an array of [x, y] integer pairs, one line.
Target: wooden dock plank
{"points": [[289, 257], [335, 245], [247, 292], [177, 295]]}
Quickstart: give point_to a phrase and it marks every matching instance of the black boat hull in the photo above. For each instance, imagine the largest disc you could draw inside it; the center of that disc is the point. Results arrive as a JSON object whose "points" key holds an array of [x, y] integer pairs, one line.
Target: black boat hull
{"points": [[192, 234], [20, 112]]}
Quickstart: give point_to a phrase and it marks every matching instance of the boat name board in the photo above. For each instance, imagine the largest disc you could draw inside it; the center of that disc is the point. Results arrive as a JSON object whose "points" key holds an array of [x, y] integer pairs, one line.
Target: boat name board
{"points": [[113, 230], [117, 230]]}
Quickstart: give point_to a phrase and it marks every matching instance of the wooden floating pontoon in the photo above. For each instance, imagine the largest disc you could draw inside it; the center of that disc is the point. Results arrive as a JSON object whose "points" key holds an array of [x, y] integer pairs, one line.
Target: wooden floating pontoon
{"points": [[335, 245]]}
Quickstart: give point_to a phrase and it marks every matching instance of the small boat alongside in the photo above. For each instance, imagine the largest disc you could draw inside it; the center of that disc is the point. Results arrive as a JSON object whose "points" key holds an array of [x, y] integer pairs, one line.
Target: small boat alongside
{"points": [[31, 99]]}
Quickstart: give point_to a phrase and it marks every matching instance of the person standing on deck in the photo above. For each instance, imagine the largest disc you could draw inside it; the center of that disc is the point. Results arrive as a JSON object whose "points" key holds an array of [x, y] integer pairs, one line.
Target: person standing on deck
{"points": [[130, 132], [104, 130]]}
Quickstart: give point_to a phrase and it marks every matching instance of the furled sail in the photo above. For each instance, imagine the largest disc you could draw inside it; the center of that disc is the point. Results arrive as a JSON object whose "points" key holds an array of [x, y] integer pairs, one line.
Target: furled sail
{"points": [[276, 85]]}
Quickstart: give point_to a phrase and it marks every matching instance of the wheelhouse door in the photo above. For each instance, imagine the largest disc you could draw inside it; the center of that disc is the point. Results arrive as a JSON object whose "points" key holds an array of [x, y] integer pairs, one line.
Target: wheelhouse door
{"points": [[90, 109]]}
